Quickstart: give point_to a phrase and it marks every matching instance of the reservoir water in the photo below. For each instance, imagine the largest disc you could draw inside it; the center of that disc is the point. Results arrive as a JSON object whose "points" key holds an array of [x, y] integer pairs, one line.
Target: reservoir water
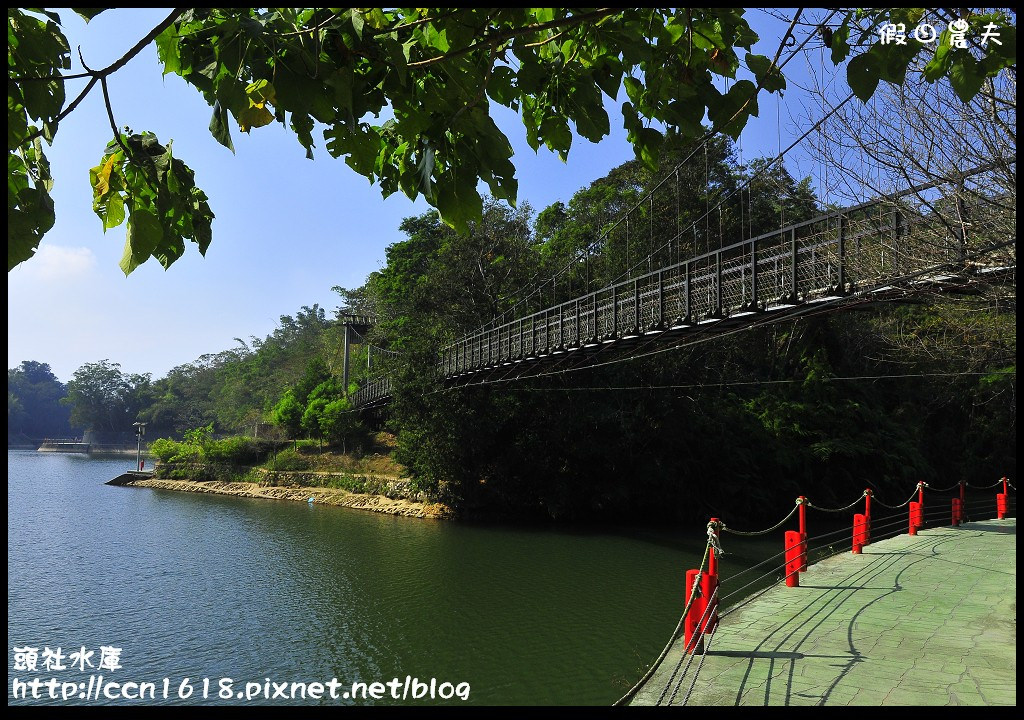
{"points": [[206, 586]]}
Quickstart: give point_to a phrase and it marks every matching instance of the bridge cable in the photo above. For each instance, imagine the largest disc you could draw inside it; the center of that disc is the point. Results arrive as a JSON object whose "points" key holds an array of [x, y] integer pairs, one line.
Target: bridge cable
{"points": [[698, 143]]}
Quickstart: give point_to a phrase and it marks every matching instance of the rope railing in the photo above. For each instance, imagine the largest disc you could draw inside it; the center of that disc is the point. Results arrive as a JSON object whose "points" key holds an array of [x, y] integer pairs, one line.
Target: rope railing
{"points": [[688, 652], [707, 645], [776, 526], [675, 635], [700, 621], [901, 505], [984, 487], [942, 490], [835, 510]]}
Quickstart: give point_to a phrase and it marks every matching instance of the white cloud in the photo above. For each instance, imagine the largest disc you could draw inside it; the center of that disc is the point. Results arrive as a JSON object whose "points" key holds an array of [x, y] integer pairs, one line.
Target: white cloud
{"points": [[59, 263]]}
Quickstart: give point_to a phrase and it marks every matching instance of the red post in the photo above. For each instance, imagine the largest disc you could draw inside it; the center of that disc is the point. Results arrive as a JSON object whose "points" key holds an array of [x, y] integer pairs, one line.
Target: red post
{"points": [[792, 559], [962, 500], [1005, 481], [693, 639], [859, 531], [920, 504], [867, 515], [802, 502], [956, 512], [709, 582], [1001, 505], [915, 513]]}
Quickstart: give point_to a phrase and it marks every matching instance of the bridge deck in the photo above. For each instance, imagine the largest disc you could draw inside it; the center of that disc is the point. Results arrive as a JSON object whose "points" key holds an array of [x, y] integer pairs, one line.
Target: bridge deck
{"points": [[925, 620]]}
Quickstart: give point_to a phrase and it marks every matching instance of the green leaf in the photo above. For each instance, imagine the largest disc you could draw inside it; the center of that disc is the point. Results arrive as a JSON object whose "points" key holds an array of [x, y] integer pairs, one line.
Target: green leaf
{"points": [[115, 212], [647, 145], [862, 74], [169, 51], [425, 170], [144, 235], [88, 13], [965, 77], [939, 64], [219, 126], [840, 45], [358, 22]]}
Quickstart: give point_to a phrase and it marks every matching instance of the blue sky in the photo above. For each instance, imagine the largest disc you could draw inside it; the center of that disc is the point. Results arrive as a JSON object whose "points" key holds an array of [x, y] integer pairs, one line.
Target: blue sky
{"points": [[287, 229]]}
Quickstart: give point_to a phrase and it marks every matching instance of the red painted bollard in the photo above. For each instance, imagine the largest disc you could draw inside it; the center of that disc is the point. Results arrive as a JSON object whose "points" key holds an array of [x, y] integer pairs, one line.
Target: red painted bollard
{"points": [[867, 515], [792, 558], [693, 639], [957, 509], [859, 532], [802, 502], [915, 511], [920, 504], [1001, 500], [709, 583]]}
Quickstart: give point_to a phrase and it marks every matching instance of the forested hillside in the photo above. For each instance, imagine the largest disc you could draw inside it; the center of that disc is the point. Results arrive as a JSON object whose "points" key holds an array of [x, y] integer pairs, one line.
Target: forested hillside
{"points": [[878, 395]]}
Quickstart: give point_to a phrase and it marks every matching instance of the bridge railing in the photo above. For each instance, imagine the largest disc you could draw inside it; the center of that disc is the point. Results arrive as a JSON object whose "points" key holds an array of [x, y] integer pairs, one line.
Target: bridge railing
{"points": [[943, 227], [895, 237]]}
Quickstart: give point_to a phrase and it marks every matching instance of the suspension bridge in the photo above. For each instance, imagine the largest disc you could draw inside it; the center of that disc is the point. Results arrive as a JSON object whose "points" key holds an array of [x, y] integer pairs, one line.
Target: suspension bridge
{"points": [[946, 235], [921, 612]]}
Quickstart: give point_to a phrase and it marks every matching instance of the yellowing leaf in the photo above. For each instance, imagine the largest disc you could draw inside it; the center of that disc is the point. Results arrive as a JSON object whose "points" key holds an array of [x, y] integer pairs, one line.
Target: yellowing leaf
{"points": [[101, 177], [261, 91], [254, 116]]}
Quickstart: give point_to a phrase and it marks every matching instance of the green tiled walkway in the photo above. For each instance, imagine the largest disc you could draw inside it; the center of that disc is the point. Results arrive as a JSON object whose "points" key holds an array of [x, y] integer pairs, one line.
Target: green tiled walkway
{"points": [[925, 620]]}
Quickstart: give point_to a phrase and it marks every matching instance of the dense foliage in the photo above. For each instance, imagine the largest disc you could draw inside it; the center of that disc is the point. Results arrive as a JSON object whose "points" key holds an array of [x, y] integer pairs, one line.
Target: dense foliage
{"points": [[434, 73], [34, 410], [878, 397]]}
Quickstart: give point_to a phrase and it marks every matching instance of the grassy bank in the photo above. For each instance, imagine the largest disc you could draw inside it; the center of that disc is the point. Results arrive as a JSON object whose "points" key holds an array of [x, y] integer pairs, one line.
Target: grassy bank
{"points": [[289, 470]]}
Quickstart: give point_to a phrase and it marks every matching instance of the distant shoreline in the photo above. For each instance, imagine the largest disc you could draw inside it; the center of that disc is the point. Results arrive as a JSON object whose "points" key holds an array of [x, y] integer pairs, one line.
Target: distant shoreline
{"points": [[320, 495]]}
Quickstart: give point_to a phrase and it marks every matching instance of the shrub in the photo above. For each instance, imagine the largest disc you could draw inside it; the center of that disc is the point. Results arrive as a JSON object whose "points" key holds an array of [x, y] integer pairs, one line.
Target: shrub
{"points": [[164, 449], [290, 460], [234, 450]]}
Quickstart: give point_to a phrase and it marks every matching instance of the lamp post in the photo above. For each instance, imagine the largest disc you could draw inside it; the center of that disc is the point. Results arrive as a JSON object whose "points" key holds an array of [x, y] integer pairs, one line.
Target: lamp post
{"points": [[140, 430]]}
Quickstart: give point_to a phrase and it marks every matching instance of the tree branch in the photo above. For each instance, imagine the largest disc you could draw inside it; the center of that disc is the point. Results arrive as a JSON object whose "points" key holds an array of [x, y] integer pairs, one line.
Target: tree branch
{"points": [[492, 40], [97, 75]]}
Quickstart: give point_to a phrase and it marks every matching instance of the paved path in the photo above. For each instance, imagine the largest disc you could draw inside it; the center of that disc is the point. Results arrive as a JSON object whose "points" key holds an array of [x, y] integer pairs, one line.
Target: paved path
{"points": [[925, 620]]}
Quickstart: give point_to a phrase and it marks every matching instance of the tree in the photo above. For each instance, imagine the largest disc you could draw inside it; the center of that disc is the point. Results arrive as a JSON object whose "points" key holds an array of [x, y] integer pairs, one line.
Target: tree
{"points": [[339, 423], [33, 402], [436, 72], [288, 415], [103, 398], [312, 418]]}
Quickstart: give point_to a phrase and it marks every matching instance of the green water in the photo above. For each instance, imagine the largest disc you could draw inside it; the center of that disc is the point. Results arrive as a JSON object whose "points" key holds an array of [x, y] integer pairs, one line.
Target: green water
{"points": [[191, 585]]}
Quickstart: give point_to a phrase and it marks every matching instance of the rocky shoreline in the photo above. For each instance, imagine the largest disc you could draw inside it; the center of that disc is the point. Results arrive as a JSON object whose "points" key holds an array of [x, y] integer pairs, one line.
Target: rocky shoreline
{"points": [[321, 495]]}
